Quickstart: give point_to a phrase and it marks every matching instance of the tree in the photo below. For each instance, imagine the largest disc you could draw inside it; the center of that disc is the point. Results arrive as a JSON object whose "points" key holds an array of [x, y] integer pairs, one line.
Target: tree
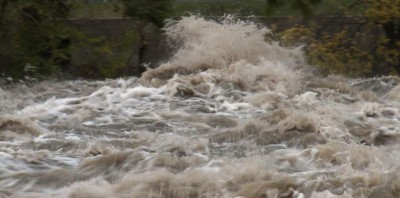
{"points": [[383, 56], [386, 15], [33, 35]]}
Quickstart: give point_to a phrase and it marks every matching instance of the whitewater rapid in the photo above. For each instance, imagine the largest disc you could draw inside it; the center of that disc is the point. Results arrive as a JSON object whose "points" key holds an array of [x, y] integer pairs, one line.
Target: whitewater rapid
{"points": [[228, 115]]}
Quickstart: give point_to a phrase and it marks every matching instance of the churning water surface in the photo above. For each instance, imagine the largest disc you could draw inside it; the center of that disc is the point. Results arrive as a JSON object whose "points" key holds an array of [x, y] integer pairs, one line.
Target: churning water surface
{"points": [[229, 115]]}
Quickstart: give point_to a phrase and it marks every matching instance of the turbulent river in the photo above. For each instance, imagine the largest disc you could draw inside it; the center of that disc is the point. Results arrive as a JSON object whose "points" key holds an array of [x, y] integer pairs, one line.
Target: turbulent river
{"points": [[229, 115]]}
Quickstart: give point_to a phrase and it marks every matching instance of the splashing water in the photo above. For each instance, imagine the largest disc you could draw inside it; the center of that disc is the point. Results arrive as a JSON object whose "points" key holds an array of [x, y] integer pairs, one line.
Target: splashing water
{"points": [[229, 115]]}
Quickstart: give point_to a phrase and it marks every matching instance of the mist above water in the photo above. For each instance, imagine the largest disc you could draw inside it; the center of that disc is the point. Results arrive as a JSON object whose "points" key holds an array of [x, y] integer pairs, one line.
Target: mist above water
{"points": [[229, 115]]}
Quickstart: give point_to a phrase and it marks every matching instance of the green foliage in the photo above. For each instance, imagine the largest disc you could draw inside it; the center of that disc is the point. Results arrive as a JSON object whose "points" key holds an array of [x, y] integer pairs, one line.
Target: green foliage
{"points": [[341, 51], [34, 35], [333, 52], [40, 47]]}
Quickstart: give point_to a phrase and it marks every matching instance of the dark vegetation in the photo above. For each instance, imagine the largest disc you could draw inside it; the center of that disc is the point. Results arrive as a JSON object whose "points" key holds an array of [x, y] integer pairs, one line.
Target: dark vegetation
{"points": [[37, 42], [370, 48]]}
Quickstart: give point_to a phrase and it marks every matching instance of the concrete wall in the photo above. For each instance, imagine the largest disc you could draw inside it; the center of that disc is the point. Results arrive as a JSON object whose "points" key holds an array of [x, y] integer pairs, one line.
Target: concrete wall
{"points": [[114, 29], [157, 50]]}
